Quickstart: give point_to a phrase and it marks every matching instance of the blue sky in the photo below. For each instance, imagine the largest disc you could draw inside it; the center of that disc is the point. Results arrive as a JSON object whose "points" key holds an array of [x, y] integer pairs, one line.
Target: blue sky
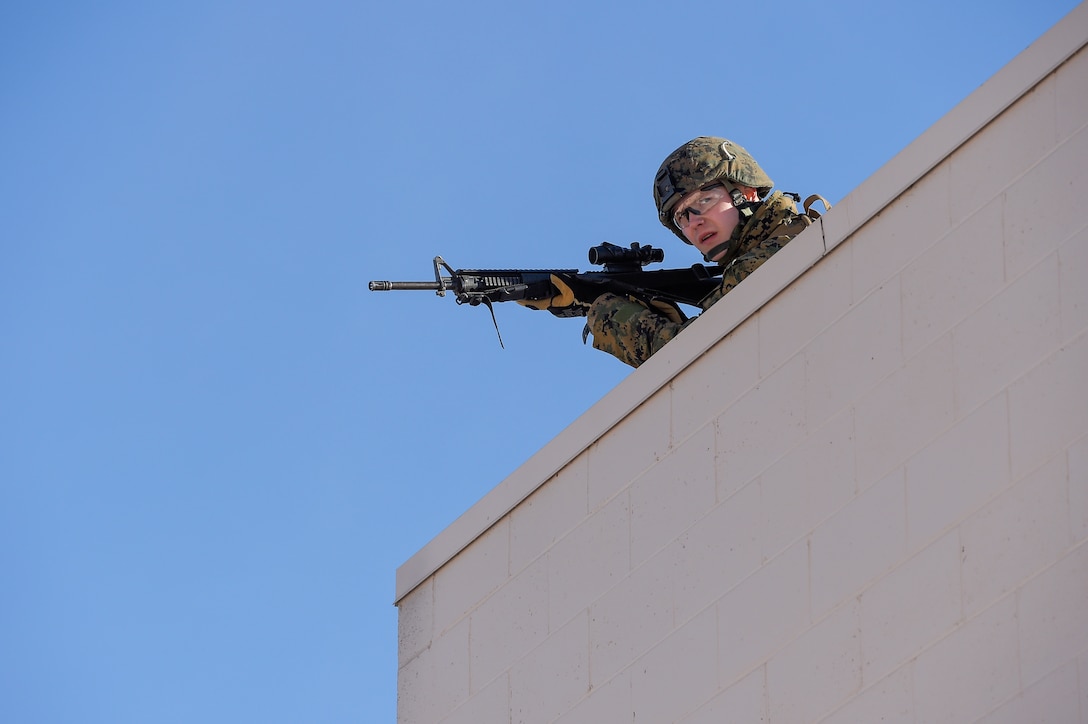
{"points": [[216, 446]]}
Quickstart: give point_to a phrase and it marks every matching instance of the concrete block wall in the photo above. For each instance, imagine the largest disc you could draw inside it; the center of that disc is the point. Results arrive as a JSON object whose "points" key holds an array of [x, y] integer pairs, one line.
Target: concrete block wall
{"points": [[855, 490]]}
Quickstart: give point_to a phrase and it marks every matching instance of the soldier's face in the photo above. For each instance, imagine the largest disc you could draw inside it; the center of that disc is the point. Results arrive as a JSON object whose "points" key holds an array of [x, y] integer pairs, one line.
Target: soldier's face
{"points": [[713, 226]]}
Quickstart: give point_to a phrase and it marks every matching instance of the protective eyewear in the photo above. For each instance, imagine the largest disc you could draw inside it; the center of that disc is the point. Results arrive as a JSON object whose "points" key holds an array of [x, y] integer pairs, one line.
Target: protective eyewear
{"points": [[698, 204]]}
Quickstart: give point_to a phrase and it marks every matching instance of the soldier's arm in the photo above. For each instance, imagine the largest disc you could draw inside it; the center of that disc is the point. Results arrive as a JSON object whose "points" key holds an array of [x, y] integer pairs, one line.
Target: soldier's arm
{"points": [[628, 330]]}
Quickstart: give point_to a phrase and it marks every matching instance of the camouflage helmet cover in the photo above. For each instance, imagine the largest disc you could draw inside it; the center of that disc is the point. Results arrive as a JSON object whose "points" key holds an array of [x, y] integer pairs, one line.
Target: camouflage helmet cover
{"points": [[702, 162]]}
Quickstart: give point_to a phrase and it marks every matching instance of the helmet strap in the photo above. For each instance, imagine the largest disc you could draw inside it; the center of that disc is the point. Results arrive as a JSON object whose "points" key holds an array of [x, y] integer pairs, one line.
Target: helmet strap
{"points": [[714, 251], [747, 209]]}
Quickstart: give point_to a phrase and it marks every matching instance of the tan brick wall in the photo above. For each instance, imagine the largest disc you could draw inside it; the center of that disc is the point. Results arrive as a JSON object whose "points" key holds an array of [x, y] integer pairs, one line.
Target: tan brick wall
{"points": [[868, 501]]}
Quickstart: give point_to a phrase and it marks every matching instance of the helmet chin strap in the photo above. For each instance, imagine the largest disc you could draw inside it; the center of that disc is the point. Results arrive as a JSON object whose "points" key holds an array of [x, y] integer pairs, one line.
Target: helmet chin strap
{"points": [[715, 250], [730, 246]]}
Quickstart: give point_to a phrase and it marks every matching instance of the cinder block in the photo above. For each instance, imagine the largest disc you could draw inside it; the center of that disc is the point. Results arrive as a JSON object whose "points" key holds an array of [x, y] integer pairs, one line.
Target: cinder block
{"points": [[1071, 92], [904, 412], [471, 575], [717, 553], [588, 561], [490, 705], [437, 681], [704, 391], [1010, 145], [1073, 281], [678, 675], [607, 702], [811, 482], [415, 622], [553, 510], [901, 232], [911, 608], [857, 544], [553, 677], [817, 672], [1015, 536], [953, 278], [762, 615], [1078, 493], [761, 427], [744, 701], [1041, 213], [1008, 336], [509, 624], [633, 445], [1082, 665], [801, 311], [888, 701], [970, 672], [669, 497], [958, 473], [1054, 700], [1053, 616], [852, 355], [630, 618], [1048, 407]]}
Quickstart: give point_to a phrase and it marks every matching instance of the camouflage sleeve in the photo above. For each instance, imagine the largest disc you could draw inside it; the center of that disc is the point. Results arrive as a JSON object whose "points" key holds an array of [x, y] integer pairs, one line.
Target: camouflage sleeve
{"points": [[744, 265], [627, 330]]}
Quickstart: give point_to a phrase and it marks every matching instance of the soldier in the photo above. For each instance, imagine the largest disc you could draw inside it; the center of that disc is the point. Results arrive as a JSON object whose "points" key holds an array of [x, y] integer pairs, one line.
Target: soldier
{"points": [[712, 194]]}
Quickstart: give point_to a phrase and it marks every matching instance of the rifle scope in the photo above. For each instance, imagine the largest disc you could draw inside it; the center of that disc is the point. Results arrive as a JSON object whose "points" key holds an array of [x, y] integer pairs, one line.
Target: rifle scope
{"points": [[608, 253]]}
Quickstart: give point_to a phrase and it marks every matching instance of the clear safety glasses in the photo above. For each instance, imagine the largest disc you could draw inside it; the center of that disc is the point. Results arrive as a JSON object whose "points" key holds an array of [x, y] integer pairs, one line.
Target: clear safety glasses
{"points": [[697, 203]]}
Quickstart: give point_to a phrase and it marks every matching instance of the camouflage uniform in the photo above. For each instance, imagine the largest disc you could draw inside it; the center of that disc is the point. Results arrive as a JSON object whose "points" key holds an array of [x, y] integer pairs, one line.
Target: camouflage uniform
{"points": [[631, 332]]}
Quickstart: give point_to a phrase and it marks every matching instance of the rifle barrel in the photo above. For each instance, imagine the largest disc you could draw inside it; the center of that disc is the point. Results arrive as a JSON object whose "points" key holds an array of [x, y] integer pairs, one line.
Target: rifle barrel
{"points": [[409, 286]]}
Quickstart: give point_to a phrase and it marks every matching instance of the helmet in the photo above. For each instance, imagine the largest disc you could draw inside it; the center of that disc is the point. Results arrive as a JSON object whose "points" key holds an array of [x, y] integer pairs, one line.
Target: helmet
{"points": [[701, 162]]}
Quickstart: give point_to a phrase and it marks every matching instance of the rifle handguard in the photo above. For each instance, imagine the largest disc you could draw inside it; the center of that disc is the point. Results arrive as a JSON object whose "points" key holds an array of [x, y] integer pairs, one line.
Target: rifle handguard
{"points": [[563, 304]]}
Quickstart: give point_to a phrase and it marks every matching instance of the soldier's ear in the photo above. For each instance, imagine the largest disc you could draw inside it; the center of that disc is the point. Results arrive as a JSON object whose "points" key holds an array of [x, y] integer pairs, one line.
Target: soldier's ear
{"points": [[749, 193]]}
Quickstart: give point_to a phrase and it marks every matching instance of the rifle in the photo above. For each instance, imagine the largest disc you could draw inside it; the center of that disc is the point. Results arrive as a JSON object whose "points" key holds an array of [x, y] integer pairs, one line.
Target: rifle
{"points": [[622, 274]]}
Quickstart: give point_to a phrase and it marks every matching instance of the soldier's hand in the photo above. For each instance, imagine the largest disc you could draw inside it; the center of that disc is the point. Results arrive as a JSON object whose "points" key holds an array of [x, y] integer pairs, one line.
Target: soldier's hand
{"points": [[669, 310], [571, 299]]}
